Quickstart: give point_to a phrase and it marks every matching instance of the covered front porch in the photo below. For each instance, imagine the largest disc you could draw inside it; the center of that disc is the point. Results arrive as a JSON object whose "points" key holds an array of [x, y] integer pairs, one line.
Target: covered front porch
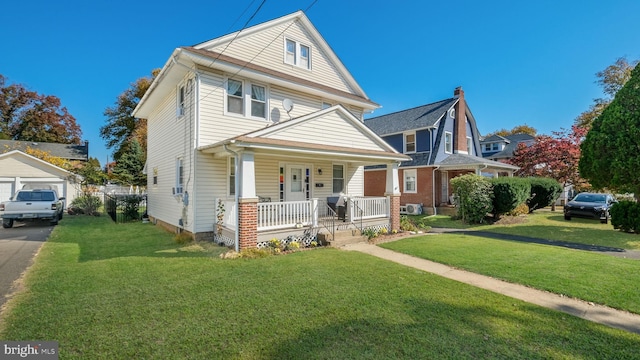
{"points": [[293, 191]]}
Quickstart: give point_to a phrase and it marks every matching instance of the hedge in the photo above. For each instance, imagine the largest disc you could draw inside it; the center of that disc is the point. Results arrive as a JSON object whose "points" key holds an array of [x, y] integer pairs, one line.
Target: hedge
{"points": [[508, 193], [544, 192]]}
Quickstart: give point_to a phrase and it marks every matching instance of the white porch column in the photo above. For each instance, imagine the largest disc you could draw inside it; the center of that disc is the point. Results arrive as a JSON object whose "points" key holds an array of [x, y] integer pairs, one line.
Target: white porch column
{"points": [[393, 183], [247, 176]]}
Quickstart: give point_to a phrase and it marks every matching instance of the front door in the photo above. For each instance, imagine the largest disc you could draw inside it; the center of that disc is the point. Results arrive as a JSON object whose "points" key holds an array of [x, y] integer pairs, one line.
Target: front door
{"points": [[295, 183]]}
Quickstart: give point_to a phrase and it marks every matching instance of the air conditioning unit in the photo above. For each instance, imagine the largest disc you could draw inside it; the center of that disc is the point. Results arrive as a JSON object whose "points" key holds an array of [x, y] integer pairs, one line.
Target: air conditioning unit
{"points": [[411, 209], [177, 190]]}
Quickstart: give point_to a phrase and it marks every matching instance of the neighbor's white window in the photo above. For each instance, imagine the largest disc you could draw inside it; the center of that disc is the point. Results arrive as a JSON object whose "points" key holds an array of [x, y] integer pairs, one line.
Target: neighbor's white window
{"points": [[495, 146], [235, 103], [448, 142], [232, 175], [487, 147], [410, 181], [410, 142], [297, 54], [338, 178]]}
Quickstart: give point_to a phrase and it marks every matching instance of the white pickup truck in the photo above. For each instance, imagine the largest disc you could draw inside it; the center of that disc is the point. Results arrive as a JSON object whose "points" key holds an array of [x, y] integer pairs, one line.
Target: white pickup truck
{"points": [[31, 205]]}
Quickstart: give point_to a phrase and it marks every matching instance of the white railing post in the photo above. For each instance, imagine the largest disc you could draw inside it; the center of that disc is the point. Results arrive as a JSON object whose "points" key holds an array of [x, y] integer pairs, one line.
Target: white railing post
{"points": [[314, 212]]}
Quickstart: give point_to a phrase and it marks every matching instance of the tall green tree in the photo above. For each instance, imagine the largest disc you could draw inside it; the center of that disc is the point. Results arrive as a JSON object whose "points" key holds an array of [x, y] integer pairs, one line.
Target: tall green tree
{"points": [[611, 79], [121, 127], [611, 151], [28, 116], [128, 169], [519, 129], [91, 172]]}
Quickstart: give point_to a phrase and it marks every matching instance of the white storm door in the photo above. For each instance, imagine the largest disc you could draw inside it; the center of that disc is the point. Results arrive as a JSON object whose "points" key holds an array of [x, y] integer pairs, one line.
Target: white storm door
{"points": [[294, 183]]}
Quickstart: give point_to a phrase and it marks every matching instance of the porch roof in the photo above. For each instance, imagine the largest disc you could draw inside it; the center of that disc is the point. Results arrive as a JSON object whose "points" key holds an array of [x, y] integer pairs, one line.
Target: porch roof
{"points": [[465, 161], [303, 149]]}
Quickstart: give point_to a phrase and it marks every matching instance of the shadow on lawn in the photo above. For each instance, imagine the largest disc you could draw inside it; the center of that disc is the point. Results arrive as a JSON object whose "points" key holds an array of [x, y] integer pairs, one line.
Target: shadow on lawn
{"points": [[451, 331], [107, 241]]}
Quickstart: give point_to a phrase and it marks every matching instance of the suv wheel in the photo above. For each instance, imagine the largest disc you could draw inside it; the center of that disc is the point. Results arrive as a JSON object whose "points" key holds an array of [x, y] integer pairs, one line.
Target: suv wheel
{"points": [[7, 223]]}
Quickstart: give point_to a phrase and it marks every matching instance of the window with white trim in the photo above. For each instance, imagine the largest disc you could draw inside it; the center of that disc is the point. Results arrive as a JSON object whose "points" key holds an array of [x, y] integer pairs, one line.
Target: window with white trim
{"points": [[410, 142], [181, 100], [256, 105], [297, 54], [232, 175], [410, 180], [338, 178], [487, 147], [448, 142], [179, 189], [235, 103], [469, 146]]}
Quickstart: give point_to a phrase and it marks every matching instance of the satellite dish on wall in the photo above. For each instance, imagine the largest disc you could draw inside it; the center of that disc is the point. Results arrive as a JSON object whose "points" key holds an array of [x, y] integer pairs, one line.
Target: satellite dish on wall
{"points": [[287, 104]]}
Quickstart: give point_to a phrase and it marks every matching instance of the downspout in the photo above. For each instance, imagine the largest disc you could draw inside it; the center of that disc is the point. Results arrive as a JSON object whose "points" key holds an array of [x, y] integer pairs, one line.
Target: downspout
{"points": [[236, 196], [433, 189]]}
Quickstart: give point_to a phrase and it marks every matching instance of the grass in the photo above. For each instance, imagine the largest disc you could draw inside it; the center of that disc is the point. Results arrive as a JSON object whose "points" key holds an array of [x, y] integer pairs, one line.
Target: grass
{"points": [[599, 278], [550, 225], [107, 291]]}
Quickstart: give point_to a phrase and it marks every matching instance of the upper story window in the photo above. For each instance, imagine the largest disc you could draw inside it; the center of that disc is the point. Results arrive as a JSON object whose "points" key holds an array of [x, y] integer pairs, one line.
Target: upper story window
{"points": [[297, 54], [256, 103], [492, 147], [469, 146], [410, 142], [181, 100], [232, 175], [234, 97], [448, 142]]}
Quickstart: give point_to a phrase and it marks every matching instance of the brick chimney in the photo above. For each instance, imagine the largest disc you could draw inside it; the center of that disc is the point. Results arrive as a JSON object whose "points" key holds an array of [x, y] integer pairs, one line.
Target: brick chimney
{"points": [[460, 123]]}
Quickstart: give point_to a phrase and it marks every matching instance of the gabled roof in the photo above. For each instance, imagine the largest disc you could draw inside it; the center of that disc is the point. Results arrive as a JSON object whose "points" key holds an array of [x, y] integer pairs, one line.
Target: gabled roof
{"points": [[424, 116], [35, 160], [512, 144], [277, 138], [194, 58], [64, 151], [495, 138]]}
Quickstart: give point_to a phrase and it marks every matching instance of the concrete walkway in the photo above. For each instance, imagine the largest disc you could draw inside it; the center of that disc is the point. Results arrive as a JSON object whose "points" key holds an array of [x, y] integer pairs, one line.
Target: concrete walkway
{"points": [[585, 310]]}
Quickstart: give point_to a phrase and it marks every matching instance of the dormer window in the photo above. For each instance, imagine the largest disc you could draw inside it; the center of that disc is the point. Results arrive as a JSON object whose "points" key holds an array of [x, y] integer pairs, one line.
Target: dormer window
{"points": [[410, 142], [297, 54]]}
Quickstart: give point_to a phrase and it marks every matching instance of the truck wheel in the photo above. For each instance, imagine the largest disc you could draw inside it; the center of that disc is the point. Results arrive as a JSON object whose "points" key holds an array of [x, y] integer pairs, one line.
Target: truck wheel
{"points": [[54, 222], [7, 223]]}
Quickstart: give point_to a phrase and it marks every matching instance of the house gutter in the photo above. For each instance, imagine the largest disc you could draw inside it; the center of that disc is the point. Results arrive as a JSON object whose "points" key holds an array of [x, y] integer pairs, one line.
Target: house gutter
{"points": [[236, 196]]}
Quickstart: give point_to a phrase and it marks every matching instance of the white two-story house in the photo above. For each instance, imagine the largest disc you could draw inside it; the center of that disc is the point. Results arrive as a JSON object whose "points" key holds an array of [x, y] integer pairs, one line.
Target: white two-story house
{"points": [[252, 135]]}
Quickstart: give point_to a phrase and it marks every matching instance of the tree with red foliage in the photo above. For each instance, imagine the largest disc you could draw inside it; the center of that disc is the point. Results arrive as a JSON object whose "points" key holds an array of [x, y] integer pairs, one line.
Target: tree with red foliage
{"points": [[28, 116], [553, 156]]}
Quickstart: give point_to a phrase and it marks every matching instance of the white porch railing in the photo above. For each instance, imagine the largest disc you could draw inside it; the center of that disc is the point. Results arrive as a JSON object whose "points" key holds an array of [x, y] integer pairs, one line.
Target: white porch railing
{"points": [[291, 214], [279, 215], [368, 207]]}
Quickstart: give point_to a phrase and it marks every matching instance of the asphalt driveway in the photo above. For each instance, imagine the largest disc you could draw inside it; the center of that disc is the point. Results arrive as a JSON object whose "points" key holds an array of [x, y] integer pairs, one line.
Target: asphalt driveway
{"points": [[18, 245]]}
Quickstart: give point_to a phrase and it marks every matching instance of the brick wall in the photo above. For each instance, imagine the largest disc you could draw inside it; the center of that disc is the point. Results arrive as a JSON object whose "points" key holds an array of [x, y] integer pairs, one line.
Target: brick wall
{"points": [[460, 124], [395, 213], [375, 182], [248, 223]]}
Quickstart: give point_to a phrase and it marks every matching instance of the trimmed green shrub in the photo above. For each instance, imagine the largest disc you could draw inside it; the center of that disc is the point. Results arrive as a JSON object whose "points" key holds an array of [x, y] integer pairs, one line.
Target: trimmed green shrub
{"points": [[625, 216], [473, 197], [85, 204], [544, 192], [508, 193]]}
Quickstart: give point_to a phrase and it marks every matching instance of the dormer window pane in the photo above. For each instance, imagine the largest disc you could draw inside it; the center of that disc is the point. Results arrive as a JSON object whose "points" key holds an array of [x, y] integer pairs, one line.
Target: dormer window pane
{"points": [[291, 52], [304, 56]]}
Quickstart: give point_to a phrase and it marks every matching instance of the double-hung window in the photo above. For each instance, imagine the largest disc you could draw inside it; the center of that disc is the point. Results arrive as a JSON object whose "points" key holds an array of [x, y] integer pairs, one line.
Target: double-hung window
{"points": [[232, 175], [448, 142], [297, 54], [179, 189], [235, 97], [469, 146], [410, 180], [254, 106], [410, 142]]}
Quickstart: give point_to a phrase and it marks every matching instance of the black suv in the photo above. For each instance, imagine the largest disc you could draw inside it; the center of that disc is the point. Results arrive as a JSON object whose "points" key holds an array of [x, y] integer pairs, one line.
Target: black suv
{"points": [[589, 205]]}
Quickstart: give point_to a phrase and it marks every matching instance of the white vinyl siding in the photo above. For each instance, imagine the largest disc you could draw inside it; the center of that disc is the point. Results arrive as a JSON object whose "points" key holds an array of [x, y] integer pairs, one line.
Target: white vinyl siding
{"points": [[265, 48]]}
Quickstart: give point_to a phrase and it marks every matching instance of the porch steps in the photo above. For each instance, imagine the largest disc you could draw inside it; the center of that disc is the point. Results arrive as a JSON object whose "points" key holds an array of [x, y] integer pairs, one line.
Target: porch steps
{"points": [[342, 237]]}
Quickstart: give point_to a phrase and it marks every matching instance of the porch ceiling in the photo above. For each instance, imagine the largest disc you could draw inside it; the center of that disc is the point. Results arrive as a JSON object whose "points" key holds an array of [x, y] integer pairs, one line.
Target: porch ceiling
{"points": [[297, 149]]}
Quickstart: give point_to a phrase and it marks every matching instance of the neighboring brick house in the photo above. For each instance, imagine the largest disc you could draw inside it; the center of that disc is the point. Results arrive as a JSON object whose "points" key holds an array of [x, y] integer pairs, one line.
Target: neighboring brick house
{"points": [[443, 141], [500, 148]]}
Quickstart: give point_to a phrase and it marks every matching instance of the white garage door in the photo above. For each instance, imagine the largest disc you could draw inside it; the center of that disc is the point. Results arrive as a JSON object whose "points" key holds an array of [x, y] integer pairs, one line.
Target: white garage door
{"points": [[6, 190]]}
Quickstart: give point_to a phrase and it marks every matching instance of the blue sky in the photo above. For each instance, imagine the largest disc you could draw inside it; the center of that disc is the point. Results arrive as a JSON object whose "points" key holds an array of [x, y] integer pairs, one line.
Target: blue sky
{"points": [[517, 61]]}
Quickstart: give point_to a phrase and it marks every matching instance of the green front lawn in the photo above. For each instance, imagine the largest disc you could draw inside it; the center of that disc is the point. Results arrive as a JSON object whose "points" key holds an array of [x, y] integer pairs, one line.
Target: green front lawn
{"points": [[551, 225], [126, 291]]}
